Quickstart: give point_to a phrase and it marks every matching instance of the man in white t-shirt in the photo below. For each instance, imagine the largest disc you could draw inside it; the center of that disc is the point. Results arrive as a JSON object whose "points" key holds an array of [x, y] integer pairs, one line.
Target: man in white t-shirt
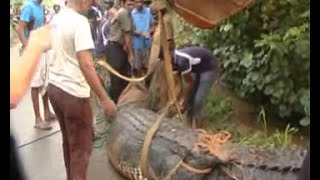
{"points": [[71, 76]]}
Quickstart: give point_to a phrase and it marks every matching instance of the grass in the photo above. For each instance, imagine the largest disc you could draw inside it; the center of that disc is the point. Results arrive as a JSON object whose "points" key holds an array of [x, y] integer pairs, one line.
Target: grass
{"points": [[219, 112], [218, 109], [282, 139], [279, 138]]}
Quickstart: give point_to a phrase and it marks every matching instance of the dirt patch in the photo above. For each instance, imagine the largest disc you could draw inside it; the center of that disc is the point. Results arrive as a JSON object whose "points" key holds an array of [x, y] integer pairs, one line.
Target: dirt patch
{"points": [[244, 112], [245, 117]]}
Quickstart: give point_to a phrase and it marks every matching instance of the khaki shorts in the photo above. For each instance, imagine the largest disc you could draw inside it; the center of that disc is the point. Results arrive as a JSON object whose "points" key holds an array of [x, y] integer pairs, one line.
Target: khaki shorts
{"points": [[38, 77]]}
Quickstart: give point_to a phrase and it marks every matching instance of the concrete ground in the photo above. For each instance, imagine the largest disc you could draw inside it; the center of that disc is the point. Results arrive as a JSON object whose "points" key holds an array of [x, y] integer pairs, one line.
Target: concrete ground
{"points": [[41, 151]]}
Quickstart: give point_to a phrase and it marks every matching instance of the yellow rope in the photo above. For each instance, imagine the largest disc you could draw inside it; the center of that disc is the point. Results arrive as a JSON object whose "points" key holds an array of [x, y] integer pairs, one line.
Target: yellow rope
{"points": [[213, 142], [116, 73], [174, 169], [195, 170], [168, 66], [172, 98], [210, 142], [148, 139], [189, 168]]}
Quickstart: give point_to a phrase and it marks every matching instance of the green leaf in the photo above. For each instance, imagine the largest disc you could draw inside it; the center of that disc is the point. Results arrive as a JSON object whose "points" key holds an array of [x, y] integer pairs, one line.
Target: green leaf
{"points": [[305, 14], [271, 63], [247, 60], [269, 90], [305, 98], [305, 122]]}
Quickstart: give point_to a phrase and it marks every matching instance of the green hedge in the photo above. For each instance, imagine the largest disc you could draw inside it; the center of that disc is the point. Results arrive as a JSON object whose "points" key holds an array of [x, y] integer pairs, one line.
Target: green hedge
{"points": [[265, 54]]}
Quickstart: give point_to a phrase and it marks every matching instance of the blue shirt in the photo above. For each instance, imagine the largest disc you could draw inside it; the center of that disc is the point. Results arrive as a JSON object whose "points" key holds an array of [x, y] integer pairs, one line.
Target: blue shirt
{"points": [[33, 14], [141, 22]]}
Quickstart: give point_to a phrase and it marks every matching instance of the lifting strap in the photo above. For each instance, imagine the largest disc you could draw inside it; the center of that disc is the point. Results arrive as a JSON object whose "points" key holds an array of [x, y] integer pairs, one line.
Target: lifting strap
{"points": [[172, 99]]}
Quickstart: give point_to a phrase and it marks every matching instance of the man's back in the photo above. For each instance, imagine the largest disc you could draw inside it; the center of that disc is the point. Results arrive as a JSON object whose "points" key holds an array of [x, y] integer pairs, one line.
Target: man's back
{"points": [[207, 60], [68, 39]]}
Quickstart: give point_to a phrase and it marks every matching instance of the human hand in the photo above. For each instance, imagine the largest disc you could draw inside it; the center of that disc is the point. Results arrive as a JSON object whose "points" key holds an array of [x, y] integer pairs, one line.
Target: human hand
{"points": [[139, 33], [130, 58], [41, 38], [108, 107], [146, 35], [125, 48]]}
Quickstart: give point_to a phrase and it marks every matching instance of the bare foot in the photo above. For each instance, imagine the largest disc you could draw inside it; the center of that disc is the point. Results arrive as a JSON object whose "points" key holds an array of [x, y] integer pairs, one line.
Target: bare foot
{"points": [[50, 117], [43, 125]]}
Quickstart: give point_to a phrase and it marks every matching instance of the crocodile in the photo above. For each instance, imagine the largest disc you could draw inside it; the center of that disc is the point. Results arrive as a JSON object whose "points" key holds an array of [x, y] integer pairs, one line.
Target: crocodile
{"points": [[174, 155], [175, 151]]}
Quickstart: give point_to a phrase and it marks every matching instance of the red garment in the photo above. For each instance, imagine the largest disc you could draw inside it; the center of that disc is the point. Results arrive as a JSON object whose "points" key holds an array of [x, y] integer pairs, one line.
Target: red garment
{"points": [[76, 123]]}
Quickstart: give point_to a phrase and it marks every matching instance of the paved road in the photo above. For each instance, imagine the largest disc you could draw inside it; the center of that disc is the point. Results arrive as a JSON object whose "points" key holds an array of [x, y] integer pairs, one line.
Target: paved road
{"points": [[41, 151]]}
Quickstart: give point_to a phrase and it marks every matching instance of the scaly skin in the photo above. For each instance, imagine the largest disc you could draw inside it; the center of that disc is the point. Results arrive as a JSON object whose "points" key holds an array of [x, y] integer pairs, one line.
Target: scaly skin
{"points": [[173, 143]]}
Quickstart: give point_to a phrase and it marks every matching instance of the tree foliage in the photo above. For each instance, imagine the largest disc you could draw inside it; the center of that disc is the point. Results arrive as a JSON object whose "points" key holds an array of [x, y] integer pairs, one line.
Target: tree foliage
{"points": [[265, 54]]}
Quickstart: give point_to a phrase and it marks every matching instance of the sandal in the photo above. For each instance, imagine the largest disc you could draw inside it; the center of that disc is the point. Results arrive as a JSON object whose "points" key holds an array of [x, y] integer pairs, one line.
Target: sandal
{"points": [[43, 126]]}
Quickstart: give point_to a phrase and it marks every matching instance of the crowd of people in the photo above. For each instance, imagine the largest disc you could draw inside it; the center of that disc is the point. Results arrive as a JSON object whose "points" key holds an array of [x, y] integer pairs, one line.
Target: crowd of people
{"points": [[122, 34]]}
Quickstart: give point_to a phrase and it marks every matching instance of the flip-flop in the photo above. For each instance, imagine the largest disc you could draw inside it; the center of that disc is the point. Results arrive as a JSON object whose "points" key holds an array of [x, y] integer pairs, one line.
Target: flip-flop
{"points": [[43, 126]]}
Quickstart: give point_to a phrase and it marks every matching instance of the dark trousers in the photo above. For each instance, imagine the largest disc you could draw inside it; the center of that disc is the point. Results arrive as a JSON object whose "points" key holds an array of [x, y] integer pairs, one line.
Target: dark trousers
{"points": [[118, 59], [200, 91], [76, 124]]}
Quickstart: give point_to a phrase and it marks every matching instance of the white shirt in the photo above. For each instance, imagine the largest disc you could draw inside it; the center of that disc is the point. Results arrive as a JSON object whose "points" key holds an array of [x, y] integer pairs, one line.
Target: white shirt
{"points": [[71, 34], [50, 15]]}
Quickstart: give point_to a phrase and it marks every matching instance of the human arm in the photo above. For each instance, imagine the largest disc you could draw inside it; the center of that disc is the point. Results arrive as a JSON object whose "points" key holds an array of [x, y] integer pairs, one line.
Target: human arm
{"points": [[87, 67], [186, 93], [136, 32], [126, 28], [152, 24], [83, 46], [25, 18], [128, 46], [20, 30], [21, 71]]}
